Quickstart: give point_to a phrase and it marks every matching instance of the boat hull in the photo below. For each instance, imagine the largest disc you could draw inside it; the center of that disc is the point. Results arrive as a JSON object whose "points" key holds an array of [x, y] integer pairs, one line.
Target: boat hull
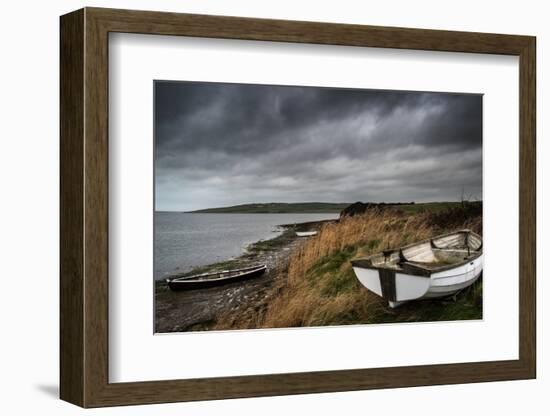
{"points": [[447, 283], [194, 284], [399, 287]]}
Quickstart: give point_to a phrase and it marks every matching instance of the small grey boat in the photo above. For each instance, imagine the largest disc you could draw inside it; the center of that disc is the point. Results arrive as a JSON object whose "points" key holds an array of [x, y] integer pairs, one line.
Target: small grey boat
{"points": [[206, 280]]}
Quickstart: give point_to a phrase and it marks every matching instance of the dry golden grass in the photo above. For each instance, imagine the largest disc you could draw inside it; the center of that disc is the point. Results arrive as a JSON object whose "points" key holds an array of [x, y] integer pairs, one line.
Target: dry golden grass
{"points": [[305, 300], [319, 286], [387, 229]]}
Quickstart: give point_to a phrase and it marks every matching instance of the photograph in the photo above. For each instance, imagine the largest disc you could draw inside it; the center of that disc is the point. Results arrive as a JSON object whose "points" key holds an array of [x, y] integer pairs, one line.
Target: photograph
{"points": [[282, 206], [299, 206]]}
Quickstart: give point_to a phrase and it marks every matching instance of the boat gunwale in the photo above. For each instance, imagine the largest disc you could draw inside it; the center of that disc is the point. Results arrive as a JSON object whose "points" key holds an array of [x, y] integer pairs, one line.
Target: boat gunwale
{"points": [[414, 268]]}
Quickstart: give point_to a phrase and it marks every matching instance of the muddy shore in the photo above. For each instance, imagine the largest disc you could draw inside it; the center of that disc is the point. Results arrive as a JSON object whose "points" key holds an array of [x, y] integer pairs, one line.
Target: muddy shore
{"points": [[201, 309]]}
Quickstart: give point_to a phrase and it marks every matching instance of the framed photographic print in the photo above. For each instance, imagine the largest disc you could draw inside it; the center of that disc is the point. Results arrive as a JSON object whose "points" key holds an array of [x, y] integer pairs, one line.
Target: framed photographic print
{"points": [[256, 207]]}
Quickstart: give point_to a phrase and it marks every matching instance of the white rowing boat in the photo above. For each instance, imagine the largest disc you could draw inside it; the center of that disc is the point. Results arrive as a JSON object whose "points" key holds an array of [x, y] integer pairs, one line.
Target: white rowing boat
{"points": [[306, 233], [437, 267]]}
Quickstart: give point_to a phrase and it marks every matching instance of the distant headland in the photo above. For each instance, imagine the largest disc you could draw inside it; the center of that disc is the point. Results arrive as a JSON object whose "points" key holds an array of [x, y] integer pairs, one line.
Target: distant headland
{"points": [[278, 208]]}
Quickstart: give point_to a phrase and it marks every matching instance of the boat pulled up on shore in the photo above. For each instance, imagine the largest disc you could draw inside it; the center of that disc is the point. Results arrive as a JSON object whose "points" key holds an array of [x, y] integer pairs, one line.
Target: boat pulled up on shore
{"points": [[436, 267], [213, 279], [306, 233]]}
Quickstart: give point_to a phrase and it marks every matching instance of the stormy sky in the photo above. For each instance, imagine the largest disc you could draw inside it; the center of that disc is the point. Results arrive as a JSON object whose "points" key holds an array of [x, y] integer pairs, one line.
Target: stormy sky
{"points": [[219, 144]]}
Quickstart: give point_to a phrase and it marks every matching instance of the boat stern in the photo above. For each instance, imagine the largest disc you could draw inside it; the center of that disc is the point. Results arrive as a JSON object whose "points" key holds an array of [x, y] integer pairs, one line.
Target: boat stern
{"points": [[390, 284]]}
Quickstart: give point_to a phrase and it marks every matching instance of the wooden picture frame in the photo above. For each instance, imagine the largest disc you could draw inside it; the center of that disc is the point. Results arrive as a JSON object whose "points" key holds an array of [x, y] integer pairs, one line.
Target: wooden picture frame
{"points": [[84, 207]]}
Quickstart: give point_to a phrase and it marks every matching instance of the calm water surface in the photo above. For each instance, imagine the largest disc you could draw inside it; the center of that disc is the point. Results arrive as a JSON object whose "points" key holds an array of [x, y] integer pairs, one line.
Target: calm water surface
{"points": [[185, 241]]}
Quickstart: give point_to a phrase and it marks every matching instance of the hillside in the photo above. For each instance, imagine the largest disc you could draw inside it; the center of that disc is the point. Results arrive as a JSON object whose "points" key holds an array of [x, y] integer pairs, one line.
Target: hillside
{"points": [[279, 208], [322, 207]]}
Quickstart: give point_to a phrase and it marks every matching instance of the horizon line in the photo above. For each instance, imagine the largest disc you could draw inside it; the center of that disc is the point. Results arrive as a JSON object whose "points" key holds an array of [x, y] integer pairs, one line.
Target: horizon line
{"points": [[312, 202]]}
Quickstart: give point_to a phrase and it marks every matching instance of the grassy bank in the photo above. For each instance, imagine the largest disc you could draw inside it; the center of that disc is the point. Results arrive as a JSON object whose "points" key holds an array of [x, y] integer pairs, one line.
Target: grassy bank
{"points": [[319, 286]]}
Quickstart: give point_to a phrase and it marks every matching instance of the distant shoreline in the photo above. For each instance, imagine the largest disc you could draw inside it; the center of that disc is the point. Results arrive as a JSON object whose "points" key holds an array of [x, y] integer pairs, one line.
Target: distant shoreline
{"points": [[319, 207], [236, 212], [277, 208]]}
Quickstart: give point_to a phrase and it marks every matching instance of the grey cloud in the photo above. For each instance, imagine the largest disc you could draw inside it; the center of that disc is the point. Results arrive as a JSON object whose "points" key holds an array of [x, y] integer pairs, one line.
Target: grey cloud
{"points": [[222, 144]]}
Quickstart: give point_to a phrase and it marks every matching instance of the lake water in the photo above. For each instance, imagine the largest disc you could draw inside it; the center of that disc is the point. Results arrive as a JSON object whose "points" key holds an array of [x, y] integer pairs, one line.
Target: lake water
{"points": [[185, 241]]}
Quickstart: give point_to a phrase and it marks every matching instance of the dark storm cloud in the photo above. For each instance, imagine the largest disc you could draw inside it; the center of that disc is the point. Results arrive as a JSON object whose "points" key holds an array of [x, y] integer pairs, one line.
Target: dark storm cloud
{"points": [[223, 144]]}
